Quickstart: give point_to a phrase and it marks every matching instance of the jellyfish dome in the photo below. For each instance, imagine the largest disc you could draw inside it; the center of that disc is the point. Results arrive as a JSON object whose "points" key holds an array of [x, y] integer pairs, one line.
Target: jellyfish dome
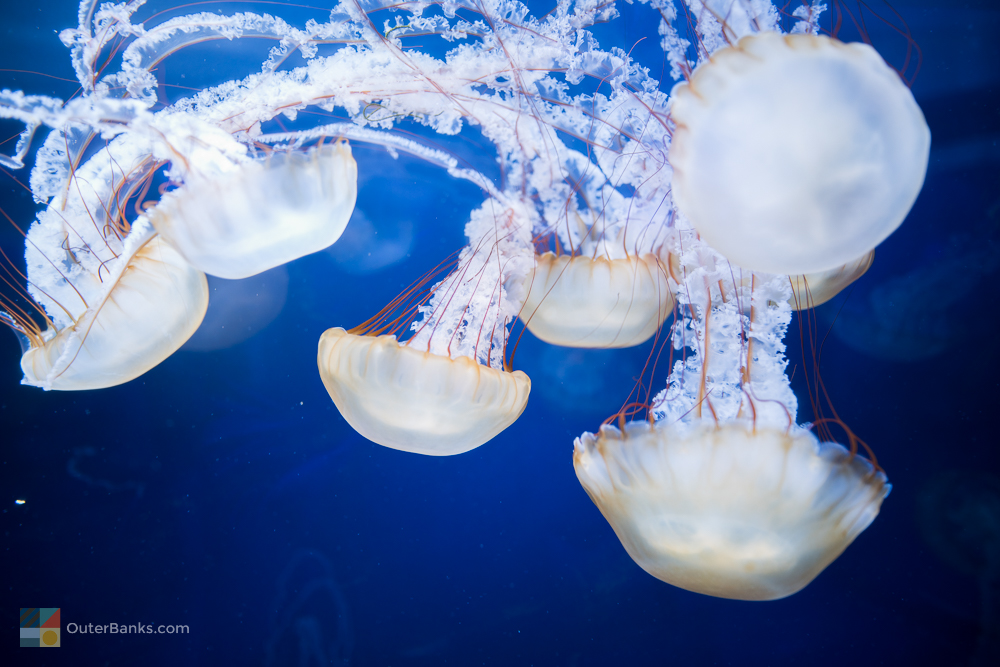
{"points": [[796, 153], [148, 306], [414, 400], [597, 302], [446, 389], [730, 511], [263, 213], [814, 289]]}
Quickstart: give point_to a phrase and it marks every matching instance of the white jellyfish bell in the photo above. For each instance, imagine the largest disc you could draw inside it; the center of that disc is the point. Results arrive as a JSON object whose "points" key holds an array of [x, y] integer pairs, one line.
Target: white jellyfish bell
{"points": [[813, 289], [796, 154], [446, 389], [414, 400], [263, 213], [597, 303], [149, 303], [731, 511]]}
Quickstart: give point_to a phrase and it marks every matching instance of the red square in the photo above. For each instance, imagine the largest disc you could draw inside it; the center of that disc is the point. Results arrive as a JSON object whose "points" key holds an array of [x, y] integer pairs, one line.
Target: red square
{"points": [[53, 620]]}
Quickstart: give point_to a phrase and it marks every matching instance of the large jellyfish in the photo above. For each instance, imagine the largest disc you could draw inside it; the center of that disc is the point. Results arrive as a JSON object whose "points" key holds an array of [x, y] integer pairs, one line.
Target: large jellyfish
{"points": [[732, 511], [609, 281], [796, 153]]}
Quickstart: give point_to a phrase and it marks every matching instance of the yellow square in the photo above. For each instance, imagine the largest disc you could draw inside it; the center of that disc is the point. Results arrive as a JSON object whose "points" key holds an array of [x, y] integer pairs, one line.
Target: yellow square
{"points": [[51, 638]]}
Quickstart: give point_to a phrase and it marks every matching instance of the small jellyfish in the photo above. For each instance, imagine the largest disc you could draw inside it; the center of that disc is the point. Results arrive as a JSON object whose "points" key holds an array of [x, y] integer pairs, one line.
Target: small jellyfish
{"points": [[912, 315], [731, 511], [239, 309], [446, 389], [597, 302], [148, 308], [796, 154], [959, 517], [311, 621], [414, 400], [264, 213], [814, 289]]}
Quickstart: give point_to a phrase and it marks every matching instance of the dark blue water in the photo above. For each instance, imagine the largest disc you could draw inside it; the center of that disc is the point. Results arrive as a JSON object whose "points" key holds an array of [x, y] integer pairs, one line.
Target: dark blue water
{"points": [[223, 491]]}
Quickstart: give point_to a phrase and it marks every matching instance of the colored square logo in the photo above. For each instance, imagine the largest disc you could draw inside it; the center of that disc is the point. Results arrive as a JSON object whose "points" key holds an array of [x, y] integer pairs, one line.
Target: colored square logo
{"points": [[40, 627], [50, 638]]}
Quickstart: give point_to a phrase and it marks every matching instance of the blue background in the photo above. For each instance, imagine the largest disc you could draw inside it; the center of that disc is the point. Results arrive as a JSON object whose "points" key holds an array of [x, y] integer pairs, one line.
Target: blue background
{"points": [[223, 490]]}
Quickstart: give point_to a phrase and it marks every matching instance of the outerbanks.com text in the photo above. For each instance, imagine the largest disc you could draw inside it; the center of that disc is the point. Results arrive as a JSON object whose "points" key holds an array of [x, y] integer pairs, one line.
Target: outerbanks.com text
{"points": [[132, 629]]}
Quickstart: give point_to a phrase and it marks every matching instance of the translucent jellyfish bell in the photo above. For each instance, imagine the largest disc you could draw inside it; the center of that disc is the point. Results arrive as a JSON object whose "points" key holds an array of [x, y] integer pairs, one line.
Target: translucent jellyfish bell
{"points": [[149, 308], [814, 289], [264, 214], [597, 303], [729, 511], [796, 153], [417, 401]]}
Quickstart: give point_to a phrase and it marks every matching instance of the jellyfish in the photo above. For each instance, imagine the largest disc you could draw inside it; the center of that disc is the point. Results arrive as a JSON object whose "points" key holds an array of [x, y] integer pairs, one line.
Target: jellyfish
{"points": [[730, 511], [311, 618], [796, 153], [446, 389], [115, 300], [263, 213], [607, 282], [153, 302], [602, 303], [414, 400], [239, 309], [959, 517], [815, 289]]}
